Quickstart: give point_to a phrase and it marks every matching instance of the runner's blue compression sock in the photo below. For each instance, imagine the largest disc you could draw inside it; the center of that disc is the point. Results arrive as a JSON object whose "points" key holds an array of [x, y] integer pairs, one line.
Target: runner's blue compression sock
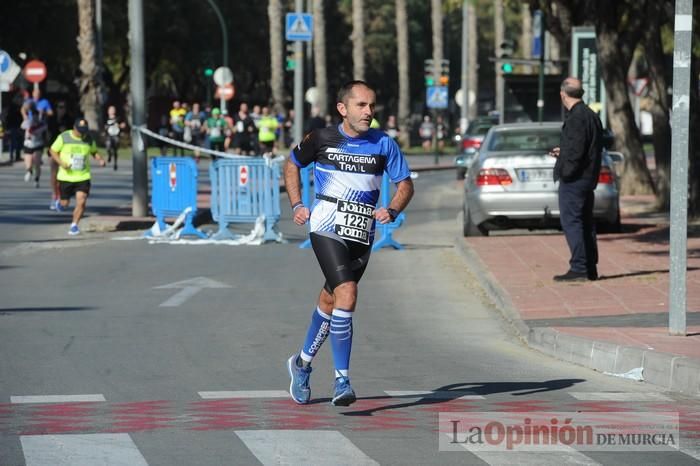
{"points": [[341, 341], [318, 332]]}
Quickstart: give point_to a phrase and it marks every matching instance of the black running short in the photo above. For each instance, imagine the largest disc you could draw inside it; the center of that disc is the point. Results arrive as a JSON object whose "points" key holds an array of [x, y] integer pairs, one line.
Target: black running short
{"points": [[341, 261], [68, 189]]}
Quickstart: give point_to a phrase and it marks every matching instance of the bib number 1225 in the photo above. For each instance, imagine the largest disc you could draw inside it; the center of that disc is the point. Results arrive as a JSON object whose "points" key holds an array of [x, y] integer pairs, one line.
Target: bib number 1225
{"points": [[353, 220]]}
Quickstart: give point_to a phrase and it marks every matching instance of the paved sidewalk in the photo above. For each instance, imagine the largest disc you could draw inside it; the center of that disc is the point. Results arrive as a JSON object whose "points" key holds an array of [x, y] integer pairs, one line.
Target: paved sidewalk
{"points": [[616, 324]]}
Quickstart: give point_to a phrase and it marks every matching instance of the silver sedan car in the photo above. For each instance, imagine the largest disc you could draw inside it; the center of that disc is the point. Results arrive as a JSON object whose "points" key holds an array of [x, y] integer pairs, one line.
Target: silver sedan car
{"points": [[510, 184]]}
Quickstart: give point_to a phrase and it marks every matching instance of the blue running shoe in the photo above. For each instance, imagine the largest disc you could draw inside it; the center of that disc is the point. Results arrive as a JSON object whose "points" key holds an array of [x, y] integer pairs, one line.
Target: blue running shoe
{"points": [[74, 230], [57, 206], [299, 385], [344, 394]]}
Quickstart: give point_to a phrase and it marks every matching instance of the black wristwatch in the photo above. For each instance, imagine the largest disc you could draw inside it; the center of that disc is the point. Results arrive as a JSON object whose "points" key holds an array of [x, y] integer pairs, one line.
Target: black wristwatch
{"points": [[393, 213]]}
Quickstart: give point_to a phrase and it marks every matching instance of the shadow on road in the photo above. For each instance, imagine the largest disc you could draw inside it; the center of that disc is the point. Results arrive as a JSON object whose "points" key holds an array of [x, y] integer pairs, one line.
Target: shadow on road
{"points": [[454, 391]]}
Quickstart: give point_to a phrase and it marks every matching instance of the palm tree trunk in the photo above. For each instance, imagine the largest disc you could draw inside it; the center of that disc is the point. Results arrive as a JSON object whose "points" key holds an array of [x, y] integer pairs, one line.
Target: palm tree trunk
{"points": [[320, 57], [404, 111], [358, 39], [274, 14], [90, 78]]}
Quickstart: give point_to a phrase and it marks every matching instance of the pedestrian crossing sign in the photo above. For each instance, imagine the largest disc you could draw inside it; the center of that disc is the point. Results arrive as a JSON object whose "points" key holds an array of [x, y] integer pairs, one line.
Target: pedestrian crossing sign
{"points": [[436, 97], [299, 26]]}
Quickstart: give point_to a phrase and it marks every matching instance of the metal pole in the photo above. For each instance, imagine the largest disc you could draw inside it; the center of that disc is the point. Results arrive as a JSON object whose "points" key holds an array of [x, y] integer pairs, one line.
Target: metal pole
{"points": [[139, 206], [540, 86], [224, 32], [500, 81], [680, 117], [298, 81], [464, 105]]}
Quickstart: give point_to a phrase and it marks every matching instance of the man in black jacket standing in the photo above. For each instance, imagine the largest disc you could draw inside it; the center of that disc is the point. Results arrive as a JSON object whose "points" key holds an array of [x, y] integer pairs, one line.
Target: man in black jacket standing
{"points": [[577, 169]]}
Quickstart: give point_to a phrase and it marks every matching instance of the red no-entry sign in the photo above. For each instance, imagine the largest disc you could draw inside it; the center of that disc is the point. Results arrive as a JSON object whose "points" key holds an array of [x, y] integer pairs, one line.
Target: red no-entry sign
{"points": [[243, 176], [34, 71], [226, 92]]}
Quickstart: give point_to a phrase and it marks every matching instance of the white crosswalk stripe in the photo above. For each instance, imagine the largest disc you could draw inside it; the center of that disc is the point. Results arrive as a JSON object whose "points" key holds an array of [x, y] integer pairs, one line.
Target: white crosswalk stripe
{"points": [[81, 450], [567, 456], [57, 399], [308, 447], [619, 396]]}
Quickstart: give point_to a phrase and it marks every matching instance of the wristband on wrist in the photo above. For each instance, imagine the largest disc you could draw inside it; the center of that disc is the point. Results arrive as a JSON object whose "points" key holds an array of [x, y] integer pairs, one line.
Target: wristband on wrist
{"points": [[393, 213], [297, 205]]}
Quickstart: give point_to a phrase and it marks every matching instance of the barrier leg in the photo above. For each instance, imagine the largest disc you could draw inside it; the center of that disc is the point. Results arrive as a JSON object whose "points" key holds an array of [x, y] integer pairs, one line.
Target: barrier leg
{"points": [[271, 234], [387, 241], [190, 230], [306, 198], [224, 232]]}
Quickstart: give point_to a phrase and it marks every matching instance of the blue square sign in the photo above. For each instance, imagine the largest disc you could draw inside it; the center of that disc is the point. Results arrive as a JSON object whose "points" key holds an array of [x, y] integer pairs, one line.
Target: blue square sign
{"points": [[436, 97], [299, 26]]}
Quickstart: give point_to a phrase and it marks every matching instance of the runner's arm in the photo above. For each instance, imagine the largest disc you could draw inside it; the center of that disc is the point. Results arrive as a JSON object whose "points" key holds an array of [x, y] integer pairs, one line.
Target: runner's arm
{"points": [[401, 198], [292, 183], [57, 158]]}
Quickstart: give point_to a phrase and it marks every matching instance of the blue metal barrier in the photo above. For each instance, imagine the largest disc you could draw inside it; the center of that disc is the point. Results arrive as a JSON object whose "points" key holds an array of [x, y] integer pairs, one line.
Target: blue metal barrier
{"points": [[385, 230], [173, 190], [243, 189]]}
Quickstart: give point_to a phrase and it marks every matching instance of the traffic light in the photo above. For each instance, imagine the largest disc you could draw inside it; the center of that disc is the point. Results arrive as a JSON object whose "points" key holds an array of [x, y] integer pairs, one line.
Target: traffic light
{"points": [[444, 73], [505, 52], [429, 70], [291, 57], [208, 72]]}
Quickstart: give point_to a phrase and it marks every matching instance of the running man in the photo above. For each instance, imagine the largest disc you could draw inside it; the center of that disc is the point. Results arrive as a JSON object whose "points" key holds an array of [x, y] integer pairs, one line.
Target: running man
{"points": [[350, 161], [72, 150]]}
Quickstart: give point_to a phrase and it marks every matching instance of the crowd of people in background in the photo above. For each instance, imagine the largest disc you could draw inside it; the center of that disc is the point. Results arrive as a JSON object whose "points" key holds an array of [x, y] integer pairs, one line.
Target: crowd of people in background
{"points": [[256, 131]]}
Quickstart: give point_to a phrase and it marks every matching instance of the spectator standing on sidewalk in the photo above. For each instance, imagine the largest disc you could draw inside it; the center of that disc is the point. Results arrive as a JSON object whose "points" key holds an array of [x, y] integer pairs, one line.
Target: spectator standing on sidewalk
{"points": [[577, 169], [391, 128], [177, 125], [72, 150], [194, 132], [215, 127], [12, 122], [244, 141]]}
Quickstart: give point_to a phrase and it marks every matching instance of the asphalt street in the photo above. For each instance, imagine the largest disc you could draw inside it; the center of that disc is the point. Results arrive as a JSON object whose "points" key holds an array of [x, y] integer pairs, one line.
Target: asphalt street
{"points": [[118, 351]]}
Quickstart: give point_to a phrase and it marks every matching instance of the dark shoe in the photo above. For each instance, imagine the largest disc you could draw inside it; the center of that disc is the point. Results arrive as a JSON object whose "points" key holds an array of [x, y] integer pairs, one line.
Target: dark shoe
{"points": [[592, 275], [571, 276]]}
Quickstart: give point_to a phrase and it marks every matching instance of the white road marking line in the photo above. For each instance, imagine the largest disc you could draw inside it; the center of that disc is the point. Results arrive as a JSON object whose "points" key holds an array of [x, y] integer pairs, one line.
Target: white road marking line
{"points": [[81, 450], [308, 447], [440, 394], [57, 399], [567, 456], [619, 396], [244, 394]]}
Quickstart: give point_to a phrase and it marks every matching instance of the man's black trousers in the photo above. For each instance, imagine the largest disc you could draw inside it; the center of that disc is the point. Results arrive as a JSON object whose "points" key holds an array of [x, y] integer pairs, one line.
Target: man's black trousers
{"points": [[576, 216]]}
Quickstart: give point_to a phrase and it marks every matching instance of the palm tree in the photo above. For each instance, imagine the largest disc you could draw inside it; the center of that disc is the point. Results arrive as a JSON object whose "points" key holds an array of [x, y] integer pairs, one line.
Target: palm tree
{"points": [[358, 39], [274, 15], [320, 57], [90, 79], [404, 75]]}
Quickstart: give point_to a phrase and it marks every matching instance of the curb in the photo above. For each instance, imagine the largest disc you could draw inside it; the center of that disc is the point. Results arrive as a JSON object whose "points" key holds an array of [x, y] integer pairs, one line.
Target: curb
{"points": [[669, 371]]}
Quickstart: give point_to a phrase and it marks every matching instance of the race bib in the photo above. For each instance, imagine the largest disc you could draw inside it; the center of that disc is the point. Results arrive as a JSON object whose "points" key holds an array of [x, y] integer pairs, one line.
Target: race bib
{"points": [[239, 126], [113, 130], [353, 220], [77, 162], [215, 132]]}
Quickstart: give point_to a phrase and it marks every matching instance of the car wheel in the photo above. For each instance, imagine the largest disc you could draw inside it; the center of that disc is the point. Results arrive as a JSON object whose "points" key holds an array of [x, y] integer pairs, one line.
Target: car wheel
{"points": [[471, 229], [461, 173]]}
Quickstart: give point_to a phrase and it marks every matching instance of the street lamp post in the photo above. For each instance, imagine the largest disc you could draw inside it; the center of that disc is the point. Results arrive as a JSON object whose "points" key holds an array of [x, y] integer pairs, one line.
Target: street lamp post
{"points": [[224, 31]]}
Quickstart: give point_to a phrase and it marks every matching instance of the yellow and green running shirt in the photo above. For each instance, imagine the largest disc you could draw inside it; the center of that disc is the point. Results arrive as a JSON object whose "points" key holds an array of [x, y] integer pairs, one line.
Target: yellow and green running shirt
{"points": [[76, 152]]}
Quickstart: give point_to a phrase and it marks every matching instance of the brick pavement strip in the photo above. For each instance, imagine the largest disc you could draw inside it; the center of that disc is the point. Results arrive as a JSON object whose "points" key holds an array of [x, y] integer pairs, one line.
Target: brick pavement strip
{"points": [[615, 324]]}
